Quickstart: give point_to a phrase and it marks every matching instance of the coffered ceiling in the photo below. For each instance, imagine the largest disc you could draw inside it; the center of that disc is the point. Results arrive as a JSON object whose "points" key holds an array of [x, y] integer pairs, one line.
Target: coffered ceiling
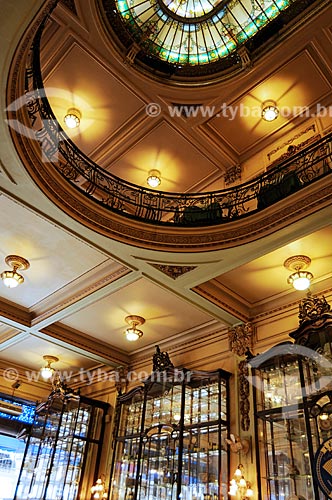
{"points": [[81, 285]]}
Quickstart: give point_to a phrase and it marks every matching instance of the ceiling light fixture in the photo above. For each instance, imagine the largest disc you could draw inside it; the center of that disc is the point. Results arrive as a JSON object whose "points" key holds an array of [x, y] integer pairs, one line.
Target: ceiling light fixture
{"points": [[270, 111], [47, 371], [132, 333], [300, 279], [154, 178], [73, 118], [12, 278]]}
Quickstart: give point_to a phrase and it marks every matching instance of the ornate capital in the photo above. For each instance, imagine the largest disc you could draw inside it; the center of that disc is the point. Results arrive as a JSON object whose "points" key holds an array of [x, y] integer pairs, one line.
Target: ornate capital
{"points": [[241, 338]]}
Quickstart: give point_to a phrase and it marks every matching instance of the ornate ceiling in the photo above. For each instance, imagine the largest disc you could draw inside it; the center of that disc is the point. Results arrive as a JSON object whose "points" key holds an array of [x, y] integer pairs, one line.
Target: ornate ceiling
{"points": [[191, 38]]}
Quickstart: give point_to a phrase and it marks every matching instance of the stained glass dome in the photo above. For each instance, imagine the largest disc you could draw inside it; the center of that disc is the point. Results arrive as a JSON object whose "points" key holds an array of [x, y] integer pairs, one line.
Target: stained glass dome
{"points": [[188, 36]]}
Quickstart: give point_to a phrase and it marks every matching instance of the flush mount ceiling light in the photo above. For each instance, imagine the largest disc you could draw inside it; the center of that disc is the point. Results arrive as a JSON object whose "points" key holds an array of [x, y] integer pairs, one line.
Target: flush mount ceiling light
{"points": [[12, 278], [47, 370], [300, 279], [154, 178], [270, 111], [73, 118], [132, 333]]}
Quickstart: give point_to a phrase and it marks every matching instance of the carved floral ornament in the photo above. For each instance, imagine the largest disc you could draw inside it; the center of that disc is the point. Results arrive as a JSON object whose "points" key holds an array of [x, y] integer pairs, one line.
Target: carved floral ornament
{"points": [[312, 307], [241, 338]]}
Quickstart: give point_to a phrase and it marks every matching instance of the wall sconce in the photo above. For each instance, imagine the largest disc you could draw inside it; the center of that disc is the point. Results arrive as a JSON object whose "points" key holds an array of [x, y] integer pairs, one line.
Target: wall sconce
{"points": [[12, 278], [73, 118], [154, 178], [300, 279], [47, 370], [270, 111], [236, 444], [239, 486], [132, 333], [98, 489]]}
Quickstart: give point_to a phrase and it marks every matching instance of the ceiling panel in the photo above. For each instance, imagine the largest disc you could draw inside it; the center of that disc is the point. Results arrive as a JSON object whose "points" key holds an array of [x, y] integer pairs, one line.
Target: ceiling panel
{"points": [[297, 85], [32, 350], [180, 163], [104, 103], [165, 315], [56, 257], [266, 277]]}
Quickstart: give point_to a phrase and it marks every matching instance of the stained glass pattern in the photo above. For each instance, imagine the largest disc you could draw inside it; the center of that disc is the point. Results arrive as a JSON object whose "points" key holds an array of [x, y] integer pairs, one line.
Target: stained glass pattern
{"points": [[196, 32]]}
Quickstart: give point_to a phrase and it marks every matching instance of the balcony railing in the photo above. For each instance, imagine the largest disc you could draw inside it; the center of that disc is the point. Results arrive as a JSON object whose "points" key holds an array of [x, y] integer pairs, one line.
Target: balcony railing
{"points": [[158, 207]]}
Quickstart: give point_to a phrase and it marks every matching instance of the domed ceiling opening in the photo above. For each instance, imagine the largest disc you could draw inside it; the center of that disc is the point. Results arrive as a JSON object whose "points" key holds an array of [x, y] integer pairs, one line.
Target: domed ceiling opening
{"points": [[196, 38]]}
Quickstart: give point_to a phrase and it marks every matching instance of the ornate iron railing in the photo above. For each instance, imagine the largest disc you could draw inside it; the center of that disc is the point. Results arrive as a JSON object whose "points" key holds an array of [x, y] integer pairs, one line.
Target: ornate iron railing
{"points": [[158, 207]]}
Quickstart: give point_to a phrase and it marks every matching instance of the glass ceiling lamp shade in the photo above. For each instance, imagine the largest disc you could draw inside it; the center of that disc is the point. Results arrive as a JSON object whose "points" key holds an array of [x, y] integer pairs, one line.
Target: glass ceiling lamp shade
{"points": [[47, 371], [299, 279], [132, 333], [270, 111], [12, 278], [154, 178], [73, 118]]}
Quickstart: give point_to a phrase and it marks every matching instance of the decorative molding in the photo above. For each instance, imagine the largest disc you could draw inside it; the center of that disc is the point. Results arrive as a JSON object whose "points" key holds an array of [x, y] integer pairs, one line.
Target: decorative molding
{"points": [[290, 141], [16, 316], [113, 225], [241, 341], [244, 57], [132, 52], [184, 343], [233, 174], [70, 4], [312, 307], [241, 338], [244, 393], [72, 337], [173, 271], [216, 299], [161, 360], [5, 172], [63, 304]]}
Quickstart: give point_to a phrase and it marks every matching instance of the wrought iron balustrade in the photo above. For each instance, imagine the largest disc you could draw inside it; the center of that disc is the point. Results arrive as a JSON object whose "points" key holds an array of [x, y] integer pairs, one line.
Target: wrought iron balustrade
{"points": [[158, 207]]}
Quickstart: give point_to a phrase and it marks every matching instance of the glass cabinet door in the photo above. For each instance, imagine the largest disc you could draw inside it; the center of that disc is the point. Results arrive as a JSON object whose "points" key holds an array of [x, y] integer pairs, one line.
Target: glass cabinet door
{"points": [[63, 444], [293, 410], [169, 440]]}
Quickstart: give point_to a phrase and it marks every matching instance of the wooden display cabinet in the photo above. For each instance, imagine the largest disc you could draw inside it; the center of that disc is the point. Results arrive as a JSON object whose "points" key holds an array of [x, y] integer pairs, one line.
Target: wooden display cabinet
{"points": [[293, 410], [169, 437]]}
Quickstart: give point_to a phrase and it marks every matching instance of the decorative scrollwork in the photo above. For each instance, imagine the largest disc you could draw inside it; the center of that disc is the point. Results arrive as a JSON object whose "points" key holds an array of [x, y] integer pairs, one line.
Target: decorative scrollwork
{"points": [[312, 308], [244, 393], [161, 360], [233, 174], [241, 337]]}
